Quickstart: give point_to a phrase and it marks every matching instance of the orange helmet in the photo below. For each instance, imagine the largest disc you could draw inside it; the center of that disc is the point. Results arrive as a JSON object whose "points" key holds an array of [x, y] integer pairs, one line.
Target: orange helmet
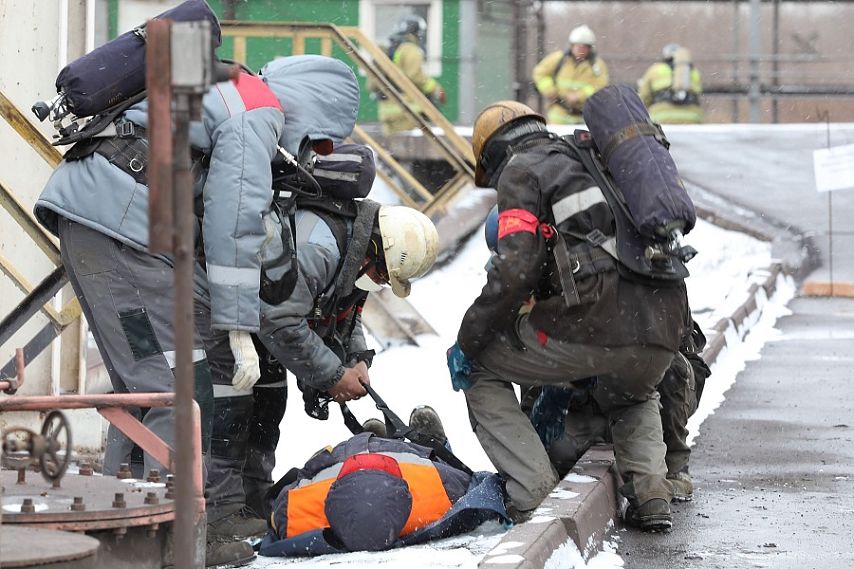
{"points": [[490, 120]]}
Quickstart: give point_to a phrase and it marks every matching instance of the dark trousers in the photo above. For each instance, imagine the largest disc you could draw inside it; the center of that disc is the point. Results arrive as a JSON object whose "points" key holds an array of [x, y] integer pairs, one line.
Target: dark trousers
{"points": [[128, 299], [245, 432]]}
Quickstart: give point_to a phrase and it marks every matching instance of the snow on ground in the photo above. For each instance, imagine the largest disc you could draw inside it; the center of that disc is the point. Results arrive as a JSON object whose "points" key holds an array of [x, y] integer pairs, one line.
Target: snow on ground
{"points": [[407, 375]]}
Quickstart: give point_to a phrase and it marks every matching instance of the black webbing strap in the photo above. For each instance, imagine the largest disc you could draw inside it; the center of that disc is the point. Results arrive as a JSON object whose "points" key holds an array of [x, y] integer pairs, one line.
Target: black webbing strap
{"points": [[631, 131], [397, 429], [565, 270]]}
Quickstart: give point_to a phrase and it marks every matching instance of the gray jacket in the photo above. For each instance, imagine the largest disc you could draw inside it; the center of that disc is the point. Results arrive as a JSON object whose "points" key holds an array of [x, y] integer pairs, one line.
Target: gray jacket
{"points": [[240, 133], [241, 141], [289, 330]]}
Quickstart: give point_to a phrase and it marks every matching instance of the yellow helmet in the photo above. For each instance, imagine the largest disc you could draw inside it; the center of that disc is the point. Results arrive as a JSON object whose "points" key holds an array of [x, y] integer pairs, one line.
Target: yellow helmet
{"points": [[490, 120]]}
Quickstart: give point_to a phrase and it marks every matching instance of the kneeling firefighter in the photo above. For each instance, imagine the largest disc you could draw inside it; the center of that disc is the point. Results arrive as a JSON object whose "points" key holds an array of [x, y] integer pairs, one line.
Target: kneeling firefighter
{"points": [[601, 309], [370, 494]]}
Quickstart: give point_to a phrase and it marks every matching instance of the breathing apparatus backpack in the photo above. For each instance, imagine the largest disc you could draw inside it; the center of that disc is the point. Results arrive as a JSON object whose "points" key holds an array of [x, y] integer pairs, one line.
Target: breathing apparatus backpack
{"points": [[109, 79], [627, 154]]}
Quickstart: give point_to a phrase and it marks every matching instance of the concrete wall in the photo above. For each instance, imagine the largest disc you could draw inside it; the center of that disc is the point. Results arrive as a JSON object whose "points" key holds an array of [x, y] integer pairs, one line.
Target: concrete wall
{"points": [[36, 40], [814, 48]]}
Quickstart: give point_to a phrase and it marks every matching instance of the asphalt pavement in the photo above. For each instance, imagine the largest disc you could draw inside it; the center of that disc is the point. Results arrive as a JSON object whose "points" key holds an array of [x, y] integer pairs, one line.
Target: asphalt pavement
{"points": [[773, 467]]}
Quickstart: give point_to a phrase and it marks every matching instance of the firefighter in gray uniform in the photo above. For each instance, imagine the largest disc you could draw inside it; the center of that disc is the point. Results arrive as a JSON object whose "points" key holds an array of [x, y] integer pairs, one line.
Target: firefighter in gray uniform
{"points": [[313, 328], [320, 96], [622, 331], [96, 202]]}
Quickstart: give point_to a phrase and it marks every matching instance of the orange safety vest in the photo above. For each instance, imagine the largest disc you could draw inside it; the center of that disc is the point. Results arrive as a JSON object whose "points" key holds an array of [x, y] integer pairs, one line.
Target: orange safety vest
{"points": [[430, 500]]}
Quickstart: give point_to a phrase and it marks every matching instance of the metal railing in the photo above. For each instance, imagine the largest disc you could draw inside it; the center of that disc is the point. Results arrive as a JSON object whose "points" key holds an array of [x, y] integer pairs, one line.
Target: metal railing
{"points": [[393, 84], [38, 297]]}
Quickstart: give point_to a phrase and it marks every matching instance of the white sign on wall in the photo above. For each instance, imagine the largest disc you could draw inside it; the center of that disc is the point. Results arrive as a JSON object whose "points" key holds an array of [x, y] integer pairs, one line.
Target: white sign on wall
{"points": [[834, 168]]}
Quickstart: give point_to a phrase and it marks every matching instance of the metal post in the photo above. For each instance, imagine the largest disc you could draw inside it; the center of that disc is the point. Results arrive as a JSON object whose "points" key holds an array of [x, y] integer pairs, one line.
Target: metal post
{"points": [[520, 50], [184, 49], [517, 50], [755, 47], [736, 50], [541, 46], [186, 109], [775, 64]]}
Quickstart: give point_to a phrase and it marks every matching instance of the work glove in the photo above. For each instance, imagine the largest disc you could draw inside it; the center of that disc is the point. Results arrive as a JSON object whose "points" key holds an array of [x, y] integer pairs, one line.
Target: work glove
{"points": [[548, 414], [247, 367], [459, 365]]}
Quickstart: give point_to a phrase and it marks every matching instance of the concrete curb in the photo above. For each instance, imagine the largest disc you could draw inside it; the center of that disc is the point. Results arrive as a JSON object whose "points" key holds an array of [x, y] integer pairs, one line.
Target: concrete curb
{"points": [[581, 510], [586, 518]]}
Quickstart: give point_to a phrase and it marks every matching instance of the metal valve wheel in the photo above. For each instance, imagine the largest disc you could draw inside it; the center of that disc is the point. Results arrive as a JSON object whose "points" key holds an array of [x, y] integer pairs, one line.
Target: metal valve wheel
{"points": [[56, 452]]}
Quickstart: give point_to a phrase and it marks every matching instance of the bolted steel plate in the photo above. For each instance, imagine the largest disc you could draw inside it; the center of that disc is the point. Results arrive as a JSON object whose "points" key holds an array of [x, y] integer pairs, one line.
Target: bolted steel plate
{"points": [[98, 507], [34, 547]]}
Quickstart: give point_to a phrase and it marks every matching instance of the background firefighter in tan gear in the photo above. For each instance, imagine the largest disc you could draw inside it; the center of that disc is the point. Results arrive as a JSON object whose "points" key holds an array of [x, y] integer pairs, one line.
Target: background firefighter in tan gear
{"points": [[407, 52], [671, 88], [567, 78]]}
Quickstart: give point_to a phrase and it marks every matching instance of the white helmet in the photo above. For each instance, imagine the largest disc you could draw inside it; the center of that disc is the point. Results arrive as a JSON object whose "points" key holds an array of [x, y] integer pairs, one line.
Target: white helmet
{"points": [[582, 34], [410, 245], [668, 51]]}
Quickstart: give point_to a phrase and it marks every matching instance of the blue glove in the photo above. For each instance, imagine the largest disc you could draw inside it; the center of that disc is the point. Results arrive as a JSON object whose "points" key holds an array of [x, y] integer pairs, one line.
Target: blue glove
{"points": [[549, 413], [460, 367]]}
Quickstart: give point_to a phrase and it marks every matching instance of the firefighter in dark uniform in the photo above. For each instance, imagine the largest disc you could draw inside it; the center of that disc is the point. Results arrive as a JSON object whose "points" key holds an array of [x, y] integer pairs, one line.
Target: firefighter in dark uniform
{"points": [[619, 329]]}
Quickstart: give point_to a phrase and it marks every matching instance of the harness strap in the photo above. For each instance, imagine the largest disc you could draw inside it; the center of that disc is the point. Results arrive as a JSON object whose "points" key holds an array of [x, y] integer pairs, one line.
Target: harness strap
{"points": [[631, 131], [596, 255]]}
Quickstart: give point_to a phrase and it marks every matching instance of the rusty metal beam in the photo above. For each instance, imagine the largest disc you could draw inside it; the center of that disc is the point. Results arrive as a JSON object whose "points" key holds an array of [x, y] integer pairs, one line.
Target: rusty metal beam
{"points": [[158, 78], [138, 433]]}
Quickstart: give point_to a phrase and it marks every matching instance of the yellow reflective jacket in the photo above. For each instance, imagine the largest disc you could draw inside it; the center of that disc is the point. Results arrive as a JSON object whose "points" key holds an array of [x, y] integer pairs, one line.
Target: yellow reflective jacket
{"points": [[409, 57], [558, 75], [656, 91]]}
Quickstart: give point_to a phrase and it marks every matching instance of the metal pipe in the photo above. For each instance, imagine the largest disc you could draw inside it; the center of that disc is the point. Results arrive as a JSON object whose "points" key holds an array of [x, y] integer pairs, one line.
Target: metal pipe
{"points": [[736, 48], [42, 402], [755, 48]]}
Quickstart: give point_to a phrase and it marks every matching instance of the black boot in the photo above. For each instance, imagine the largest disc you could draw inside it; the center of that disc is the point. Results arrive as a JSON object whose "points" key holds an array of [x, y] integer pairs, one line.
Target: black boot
{"points": [[424, 419], [376, 427], [230, 554], [240, 523], [652, 516]]}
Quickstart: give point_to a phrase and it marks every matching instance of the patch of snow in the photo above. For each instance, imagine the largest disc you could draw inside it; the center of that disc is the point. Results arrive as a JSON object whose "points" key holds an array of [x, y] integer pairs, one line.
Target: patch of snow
{"points": [[504, 559], [563, 494], [541, 519], [579, 478]]}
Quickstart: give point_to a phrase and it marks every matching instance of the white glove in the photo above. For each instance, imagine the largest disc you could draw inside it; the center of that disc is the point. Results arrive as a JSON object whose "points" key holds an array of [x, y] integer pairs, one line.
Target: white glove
{"points": [[247, 368]]}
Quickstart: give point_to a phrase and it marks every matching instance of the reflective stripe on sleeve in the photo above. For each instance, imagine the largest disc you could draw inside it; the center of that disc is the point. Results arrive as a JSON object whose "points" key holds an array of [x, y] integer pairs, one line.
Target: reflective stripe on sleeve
{"points": [[568, 206], [232, 276]]}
